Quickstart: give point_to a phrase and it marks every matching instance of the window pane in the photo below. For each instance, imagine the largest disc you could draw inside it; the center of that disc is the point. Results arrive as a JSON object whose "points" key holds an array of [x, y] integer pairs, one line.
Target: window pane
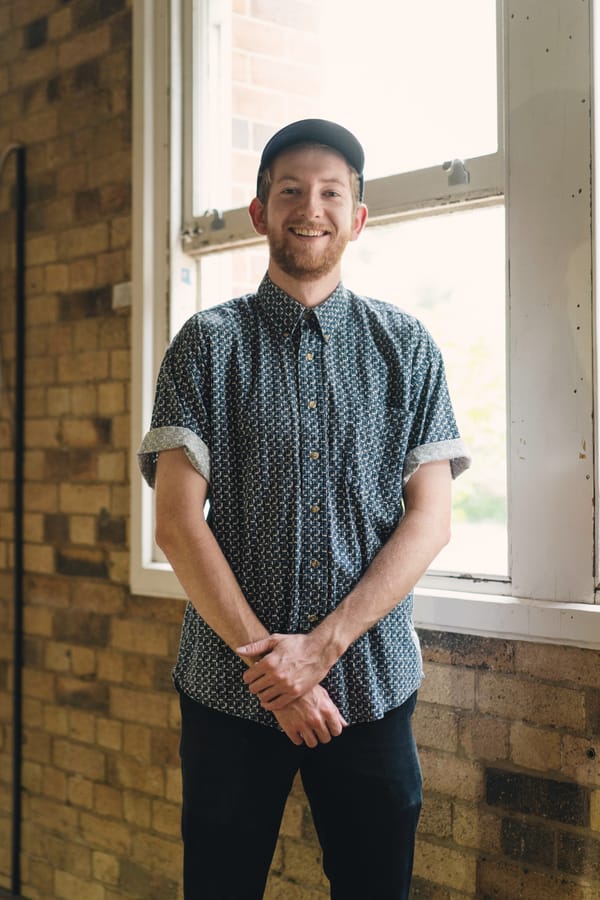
{"points": [[408, 78], [448, 270]]}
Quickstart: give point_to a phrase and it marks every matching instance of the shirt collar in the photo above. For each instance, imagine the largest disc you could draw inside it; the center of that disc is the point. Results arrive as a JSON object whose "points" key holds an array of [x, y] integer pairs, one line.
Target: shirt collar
{"points": [[285, 313]]}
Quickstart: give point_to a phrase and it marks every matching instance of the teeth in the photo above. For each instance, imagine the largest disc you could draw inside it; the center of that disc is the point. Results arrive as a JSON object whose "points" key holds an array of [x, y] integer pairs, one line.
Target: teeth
{"points": [[307, 232]]}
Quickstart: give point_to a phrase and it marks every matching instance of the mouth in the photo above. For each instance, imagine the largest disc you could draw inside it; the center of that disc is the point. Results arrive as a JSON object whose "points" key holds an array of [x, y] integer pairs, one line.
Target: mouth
{"points": [[303, 231]]}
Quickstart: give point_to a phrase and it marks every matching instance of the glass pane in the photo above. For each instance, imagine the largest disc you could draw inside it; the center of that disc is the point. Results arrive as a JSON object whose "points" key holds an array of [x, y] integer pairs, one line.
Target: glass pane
{"points": [[409, 78], [448, 270]]}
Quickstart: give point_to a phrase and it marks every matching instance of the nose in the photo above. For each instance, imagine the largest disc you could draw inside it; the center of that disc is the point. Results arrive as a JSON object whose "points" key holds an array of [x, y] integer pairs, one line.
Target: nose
{"points": [[312, 206]]}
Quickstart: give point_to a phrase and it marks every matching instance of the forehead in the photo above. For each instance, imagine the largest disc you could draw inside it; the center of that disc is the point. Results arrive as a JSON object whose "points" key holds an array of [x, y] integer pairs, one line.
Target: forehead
{"points": [[310, 161]]}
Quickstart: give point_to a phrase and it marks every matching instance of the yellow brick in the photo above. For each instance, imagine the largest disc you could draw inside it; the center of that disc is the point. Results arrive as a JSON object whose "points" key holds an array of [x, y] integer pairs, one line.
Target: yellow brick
{"points": [[476, 828], [58, 401], [137, 809], [42, 249], [42, 432], [118, 565], [108, 801], [137, 776], [577, 764], [85, 335], [83, 661], [534, 748], [595, 810], [82, 529], [120, 232], [435, 726], [70, 887], [111, 398], [82, 241], [84, 399], [137, 741], [119, 500], [85, 761], [82, 274], [484, 737], [157, 854], [120, 364], [516, 699], [57, 277], [436, 816], [166, 818], [57, 657], [32, 777], [79, 498], [56, 719], [82, 726], [84, 46], [137, 636], [552, 663], [445, 866], [112, 466], [302, 862], [33, 528], [38, 621], [56, 817], [59, 24], [111, 666], [81, 433], [173, 785], [451, 775], [81, 792], [89, 365], [54, 784], [448, 686], [40, 497], [105, 834], [105, 867], [109, 734], [39, 558]]}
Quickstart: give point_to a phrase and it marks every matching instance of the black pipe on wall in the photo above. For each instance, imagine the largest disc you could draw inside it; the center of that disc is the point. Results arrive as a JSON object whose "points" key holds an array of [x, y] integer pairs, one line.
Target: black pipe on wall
{"points": [[18, 532]]}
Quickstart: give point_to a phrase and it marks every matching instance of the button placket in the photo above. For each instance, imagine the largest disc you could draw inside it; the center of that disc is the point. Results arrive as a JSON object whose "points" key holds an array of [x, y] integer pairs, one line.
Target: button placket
{"points": [[314, 562]]}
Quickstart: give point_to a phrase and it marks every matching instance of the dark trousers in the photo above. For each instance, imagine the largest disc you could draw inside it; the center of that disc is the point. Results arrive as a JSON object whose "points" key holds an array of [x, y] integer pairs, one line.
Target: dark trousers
{"points": [[364, 790]]}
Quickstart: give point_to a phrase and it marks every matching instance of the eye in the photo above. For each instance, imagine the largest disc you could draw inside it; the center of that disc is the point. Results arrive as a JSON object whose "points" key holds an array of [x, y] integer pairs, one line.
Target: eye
{"points": [[332, 193], [290, 191]]}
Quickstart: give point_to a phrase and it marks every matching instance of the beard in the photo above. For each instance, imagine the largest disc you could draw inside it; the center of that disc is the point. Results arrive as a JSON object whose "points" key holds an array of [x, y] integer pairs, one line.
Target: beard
{"points": [[305, 262]]}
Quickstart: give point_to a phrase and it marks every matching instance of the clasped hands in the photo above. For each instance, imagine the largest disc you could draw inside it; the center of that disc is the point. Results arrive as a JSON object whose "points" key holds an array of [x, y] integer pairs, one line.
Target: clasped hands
{"points": [[285, 674]]}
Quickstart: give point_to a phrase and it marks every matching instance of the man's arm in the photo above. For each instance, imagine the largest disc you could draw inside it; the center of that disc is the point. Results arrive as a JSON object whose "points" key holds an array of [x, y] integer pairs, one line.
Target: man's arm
{"points": [[294, 663], [207, 579]]}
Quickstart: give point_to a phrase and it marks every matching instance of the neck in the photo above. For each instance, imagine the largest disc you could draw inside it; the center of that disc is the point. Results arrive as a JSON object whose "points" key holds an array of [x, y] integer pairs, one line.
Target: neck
{"points": [[308, 293]]}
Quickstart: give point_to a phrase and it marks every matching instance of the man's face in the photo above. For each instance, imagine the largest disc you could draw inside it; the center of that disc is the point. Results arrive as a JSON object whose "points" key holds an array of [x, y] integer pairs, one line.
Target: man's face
{"points": [[310, 214]]}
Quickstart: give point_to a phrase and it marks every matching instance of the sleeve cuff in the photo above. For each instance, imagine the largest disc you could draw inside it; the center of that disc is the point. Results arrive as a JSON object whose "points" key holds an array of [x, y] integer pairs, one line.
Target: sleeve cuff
{"points": [[170, 437], [455, 451]]}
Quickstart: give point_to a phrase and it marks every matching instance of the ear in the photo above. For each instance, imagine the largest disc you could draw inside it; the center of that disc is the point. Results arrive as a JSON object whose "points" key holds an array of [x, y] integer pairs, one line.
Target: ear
{"points": [[359, 220], [257, 214]]}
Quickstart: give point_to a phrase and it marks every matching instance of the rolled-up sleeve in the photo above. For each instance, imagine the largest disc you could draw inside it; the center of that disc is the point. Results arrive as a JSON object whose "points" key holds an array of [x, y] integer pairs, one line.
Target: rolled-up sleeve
{"points": [[434, 434], [180, 416]]}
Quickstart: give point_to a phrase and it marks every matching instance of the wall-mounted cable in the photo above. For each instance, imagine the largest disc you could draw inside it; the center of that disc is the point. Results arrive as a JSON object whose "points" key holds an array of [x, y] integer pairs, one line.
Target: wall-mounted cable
{"points": [[19, 458]]}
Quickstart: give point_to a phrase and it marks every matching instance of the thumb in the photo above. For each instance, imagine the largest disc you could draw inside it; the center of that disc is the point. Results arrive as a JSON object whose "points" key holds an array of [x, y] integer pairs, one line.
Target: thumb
{"points": [[257, 648]]}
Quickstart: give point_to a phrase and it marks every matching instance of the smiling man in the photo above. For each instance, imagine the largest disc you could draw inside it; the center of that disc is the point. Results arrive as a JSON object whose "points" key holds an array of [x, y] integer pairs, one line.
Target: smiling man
{"points": [[318, 424]]}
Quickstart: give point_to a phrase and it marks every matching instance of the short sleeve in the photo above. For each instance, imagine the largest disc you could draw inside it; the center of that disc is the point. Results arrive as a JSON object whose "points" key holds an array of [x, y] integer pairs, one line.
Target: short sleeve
{"points": [[180, 415], [434, 434]]}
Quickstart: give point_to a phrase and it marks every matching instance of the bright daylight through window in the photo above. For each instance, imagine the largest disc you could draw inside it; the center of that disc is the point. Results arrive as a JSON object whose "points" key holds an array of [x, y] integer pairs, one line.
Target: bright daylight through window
{"points": [[417, 93]]}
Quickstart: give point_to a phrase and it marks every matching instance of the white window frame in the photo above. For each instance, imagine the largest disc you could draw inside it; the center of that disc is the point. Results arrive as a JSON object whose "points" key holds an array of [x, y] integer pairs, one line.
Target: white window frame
{"points": [[550, 201]]}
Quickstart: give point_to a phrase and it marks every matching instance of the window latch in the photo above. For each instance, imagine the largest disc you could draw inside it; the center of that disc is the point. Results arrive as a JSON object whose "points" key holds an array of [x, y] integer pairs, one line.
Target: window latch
{"points": [[457, 172]]}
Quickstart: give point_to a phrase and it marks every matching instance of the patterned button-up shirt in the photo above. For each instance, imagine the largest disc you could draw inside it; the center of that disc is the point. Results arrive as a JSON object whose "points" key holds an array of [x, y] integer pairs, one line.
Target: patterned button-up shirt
{"points": [[306, 424]]}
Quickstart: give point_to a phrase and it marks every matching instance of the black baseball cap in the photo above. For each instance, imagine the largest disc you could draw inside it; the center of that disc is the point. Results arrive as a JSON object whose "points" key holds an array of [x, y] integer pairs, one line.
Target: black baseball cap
{"points": [[317, 131]]}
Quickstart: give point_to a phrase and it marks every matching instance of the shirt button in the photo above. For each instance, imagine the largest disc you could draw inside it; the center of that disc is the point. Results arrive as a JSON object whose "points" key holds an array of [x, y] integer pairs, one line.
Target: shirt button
{"points": [[314, 454], [326, 337], [312, 617], [312, 404], [310, 356], [314, 564], [315, 508]]}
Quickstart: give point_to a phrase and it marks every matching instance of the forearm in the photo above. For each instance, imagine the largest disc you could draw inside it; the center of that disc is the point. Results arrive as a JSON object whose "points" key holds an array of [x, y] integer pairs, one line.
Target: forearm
{"points": [[210, 584], [392, 574]]}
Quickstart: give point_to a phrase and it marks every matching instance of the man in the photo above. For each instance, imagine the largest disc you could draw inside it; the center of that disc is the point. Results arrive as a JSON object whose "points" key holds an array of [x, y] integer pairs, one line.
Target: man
{"points": [[318, 425]]}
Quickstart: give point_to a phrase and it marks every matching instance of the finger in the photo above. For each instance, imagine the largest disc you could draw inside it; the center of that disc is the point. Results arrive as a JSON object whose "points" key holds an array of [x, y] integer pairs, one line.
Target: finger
{"points": [[256, 648], [309, 739]]}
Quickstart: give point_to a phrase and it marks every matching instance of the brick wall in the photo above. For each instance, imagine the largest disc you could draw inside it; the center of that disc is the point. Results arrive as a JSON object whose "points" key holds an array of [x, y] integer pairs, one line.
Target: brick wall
{"points": [[508, 731]]}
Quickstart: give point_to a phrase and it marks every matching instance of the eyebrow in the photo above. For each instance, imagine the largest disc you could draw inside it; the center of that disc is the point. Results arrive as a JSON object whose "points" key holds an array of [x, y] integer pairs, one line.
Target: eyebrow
{"points": [[296, 178]]}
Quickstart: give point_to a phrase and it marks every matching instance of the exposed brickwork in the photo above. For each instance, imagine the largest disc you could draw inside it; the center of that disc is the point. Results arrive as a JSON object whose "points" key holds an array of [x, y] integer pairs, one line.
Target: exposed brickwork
{"points": [[509, 732]]}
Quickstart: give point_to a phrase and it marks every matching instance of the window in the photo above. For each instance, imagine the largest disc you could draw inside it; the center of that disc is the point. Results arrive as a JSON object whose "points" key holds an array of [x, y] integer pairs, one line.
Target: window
{"points": [[211, 85]]}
